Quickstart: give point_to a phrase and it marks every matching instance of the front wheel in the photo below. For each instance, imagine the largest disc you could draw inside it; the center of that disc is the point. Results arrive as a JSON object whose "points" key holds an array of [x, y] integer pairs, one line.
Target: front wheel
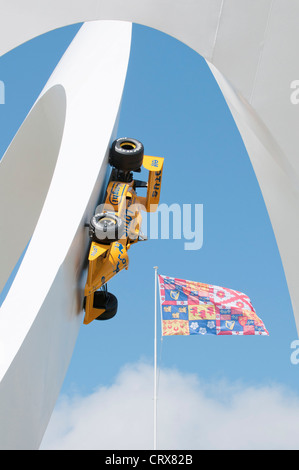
{"points": [[107, 301]]}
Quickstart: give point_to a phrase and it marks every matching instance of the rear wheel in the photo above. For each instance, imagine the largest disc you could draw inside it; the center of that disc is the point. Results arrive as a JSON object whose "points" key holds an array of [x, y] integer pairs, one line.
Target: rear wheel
{"points": [[107, 301], [126, 154]]}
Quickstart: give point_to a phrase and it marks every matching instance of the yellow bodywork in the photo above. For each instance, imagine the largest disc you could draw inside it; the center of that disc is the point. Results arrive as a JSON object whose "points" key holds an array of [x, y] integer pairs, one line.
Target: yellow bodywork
{"points": [[104, 261]]}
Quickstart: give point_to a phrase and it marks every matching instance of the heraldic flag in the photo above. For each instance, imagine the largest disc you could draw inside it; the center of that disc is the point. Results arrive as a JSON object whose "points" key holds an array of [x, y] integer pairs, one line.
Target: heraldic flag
{"points": [[193, 308]]}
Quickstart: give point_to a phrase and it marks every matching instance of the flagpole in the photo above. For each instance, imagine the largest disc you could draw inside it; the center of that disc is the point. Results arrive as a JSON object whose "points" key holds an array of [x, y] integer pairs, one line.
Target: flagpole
{"points": [[155, 362]]}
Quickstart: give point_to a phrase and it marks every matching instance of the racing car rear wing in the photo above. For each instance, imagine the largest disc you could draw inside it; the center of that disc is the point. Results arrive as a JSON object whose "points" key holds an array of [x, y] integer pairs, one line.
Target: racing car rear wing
{"points": [[155, 167]]}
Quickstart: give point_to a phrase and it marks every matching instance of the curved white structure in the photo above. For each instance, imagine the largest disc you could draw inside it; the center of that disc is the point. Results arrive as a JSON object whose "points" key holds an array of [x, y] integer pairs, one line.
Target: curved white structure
{"points": [[29, 163], [250, 48], [41, 316]]}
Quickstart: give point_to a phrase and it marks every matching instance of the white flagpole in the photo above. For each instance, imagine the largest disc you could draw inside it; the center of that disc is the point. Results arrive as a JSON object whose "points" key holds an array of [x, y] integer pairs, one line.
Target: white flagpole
{"points": [[155, 362]]}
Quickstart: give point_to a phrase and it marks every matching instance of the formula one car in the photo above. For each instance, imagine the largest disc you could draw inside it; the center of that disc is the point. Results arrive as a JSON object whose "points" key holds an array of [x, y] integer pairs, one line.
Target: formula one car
{"points": [[117, 226]]}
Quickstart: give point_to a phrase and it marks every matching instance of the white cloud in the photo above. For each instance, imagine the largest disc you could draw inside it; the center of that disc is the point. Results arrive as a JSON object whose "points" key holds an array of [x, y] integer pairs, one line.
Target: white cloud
{"points": [[191, 415]]}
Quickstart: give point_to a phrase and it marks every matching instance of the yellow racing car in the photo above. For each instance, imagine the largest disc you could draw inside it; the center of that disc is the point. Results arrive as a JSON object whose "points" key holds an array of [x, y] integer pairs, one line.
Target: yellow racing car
{"points": [[117, 225]]}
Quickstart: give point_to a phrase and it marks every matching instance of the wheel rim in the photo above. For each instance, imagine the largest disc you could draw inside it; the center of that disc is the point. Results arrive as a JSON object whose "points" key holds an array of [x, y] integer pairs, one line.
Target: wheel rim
{"points": [[128, 145], [106, 222]]}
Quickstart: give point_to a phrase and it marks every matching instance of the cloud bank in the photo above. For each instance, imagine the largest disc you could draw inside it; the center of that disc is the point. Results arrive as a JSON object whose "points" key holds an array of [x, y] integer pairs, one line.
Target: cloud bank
{"points": [[191, 415]]}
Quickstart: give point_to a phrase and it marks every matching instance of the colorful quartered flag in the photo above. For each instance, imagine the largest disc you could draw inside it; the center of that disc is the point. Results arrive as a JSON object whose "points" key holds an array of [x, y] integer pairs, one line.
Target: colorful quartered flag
{"points": [[193, 308]]}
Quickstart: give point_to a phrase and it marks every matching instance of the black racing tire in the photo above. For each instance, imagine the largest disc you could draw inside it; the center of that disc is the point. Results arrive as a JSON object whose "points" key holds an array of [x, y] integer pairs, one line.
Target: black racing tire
{"points": [[107, 301], [106, 228], [126, 154]]}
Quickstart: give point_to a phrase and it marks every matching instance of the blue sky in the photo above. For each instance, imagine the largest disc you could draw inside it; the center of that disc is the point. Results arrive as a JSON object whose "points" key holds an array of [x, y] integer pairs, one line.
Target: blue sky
{"points": [[173, 105]]}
